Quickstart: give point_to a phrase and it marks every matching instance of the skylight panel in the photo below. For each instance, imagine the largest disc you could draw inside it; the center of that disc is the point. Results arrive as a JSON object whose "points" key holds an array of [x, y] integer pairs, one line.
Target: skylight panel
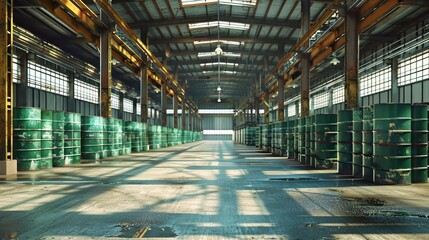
{"points": [[212, 54], [219, 63], [240, 3], [223, 72], [221, 24]]}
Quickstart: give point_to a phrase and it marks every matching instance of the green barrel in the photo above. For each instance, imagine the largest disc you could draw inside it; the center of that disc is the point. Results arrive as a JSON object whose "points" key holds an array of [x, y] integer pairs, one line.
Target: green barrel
{"points": [[134, 132], [419, 149], [119, 137], [58, 138], [27, 138], [282, 139], [72, 138], [290, 138], [109, 137], [164, 131], [127, 139], [367, 144], [47, 139], [302, 159], [154, 134], [308, 128], [92, 137], [345, 145], [250, 136], [257, 136], [296, 140], [144, 137], [312, 140], [392, 143], [171, 137], [325, 140], [276, 137], [357, 142]]}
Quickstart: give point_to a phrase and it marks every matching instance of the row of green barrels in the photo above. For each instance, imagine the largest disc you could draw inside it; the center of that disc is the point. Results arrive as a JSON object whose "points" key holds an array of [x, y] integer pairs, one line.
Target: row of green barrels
{"points": [[258, 137], [45, 139], [161, 137]]}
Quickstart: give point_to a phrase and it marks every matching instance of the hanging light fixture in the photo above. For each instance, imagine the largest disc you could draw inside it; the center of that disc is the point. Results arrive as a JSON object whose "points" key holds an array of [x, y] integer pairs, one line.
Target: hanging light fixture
{"points": [[218, 51], [335, 60]]}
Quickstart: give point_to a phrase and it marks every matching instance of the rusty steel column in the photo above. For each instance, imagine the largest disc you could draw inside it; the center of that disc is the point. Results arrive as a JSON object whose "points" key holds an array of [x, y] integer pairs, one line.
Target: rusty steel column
{"points": [[305, 60], [175, 109], [183, 116], [144, 94], [8, 166], [351, 59], [257, 110], [163, 104], [106, 68], [190, 118], [281, 99], [267, 107]]}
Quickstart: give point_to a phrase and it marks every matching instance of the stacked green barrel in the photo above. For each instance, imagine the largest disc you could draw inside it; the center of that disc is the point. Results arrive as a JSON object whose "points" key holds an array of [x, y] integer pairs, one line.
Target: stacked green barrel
{"points": [[276, 137], [72, 138], [392, 143], [118, 141], [266, 138], [357, 142], [308, 125], [258, 137], [134, 130], [27, 137], [419, 158], [296, 139], [345, 142], [58, 138], [126, 139], [312, 140], [47, 141], [171, 137], [302, 129], [154, 134], [92, 137], [282, 138], [144, 136], [290, 138], [164, 131], [109, 137], [250, 136], [367, 144], [325, 140]]}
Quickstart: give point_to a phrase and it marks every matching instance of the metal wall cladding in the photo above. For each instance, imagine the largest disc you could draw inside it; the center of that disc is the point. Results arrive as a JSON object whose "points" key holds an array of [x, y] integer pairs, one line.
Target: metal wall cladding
{"points": [[419, 141], [27, 137], [392, 143], [357, 142], [345, 145]]}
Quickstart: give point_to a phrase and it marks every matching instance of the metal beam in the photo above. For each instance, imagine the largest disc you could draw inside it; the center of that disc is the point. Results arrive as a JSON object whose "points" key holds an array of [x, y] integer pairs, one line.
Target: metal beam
{"points": [[243, 52], [163, 105], [8, 166], [281, 99], [105, 70], [228, 18], [288, 41], [305, 60]]}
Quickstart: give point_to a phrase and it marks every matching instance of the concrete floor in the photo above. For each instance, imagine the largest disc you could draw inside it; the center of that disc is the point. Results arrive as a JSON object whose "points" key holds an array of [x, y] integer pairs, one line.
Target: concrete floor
{"points": [[207, 190]]}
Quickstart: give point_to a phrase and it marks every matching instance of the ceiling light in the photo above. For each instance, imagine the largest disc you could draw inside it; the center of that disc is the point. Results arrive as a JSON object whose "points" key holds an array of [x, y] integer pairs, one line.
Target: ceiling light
{"points": [[334, 61], [237, 43], [219, 89], [242, 3], [220, 24], [218, 63], [211, 54], [218, 100], [218, 50], [224, 72]]}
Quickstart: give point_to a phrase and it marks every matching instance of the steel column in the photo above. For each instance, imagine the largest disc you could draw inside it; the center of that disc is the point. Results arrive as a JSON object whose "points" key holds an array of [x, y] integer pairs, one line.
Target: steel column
{"points": [[144, 78], [135, 118], [305, 60], [163, 105], [71, 104], [257, 110], [351, 56], [189, 119], [121, 106], [175, 109], [267, 107], [183, 116], [8, 166], [105, 69]]}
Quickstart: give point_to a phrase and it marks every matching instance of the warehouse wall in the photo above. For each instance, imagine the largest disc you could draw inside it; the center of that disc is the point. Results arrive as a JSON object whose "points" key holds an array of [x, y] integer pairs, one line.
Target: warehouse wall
{"points": [[220, 123]]}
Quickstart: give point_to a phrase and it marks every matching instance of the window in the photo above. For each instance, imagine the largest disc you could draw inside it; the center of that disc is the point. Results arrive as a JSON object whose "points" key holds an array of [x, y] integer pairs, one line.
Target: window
{"points": [[338, 94], [139, 109], [291, 110], [16, 65], [413, 69], [321, 100], [115, 101], [47, 79], [375, 82], [85, 91], [218, 132], [128, 105]]}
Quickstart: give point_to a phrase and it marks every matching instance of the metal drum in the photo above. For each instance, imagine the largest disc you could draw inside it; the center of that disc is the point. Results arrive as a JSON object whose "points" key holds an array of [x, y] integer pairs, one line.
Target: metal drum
{"points": [[144, 137], [308, 126], [392, 143], [325, 140], [164, 131], [109, 137], [92, 137], [419, 149], [367, 144], [27, 138], [47, 140], [312, 141], [58, 139], [250, 136], [133, 131], [357, 142], [290, 138], [301, 141], [118, 142], [258, 137], [72, 138], [155, 136], [344, 145], [296, 139]]}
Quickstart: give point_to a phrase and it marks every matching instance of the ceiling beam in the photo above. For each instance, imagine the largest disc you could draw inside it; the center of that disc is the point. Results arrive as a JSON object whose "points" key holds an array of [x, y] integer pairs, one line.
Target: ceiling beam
{"points": [[242, 51], [198, 62], [157, 41], [190, 20]]}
